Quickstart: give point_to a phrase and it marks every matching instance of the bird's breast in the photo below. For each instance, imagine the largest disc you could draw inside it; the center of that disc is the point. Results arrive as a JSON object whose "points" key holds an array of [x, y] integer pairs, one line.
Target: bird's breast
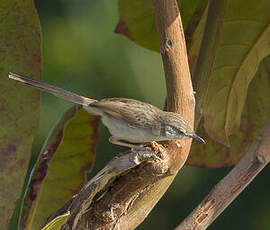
{"points": [[123, 131]]}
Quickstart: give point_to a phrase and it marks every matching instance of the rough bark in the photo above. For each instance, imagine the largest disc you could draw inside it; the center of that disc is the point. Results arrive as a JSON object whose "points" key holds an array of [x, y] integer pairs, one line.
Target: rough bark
{"points": [[124, 198], [232, 185]]}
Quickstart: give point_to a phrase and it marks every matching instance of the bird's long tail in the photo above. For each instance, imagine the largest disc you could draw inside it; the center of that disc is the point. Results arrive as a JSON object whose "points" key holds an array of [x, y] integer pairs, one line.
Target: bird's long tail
{"points": [[59, 92]]}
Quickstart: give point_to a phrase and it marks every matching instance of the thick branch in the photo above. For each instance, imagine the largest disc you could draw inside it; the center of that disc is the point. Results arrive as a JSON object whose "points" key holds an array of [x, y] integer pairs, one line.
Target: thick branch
{"points": [[129, 197], [231, 186], [180, 97]]}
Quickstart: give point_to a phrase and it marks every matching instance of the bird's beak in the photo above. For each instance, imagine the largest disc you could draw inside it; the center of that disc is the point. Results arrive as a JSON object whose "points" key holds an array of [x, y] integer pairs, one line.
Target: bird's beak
{"points": [[198, 138]]}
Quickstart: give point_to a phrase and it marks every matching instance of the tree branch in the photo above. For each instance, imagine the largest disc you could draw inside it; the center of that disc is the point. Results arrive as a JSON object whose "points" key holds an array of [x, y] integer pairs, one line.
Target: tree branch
{"points": [[230, 186], [180, 97], [114, 204], [174, 56]]}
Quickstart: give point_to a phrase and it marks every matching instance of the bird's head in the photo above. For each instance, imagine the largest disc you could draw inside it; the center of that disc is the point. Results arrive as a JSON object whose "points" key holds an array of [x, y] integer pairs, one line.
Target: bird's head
{"points": [[176, 127]]}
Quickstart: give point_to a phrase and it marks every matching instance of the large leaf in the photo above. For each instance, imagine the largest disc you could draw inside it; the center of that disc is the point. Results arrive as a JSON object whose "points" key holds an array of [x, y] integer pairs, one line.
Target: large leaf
{"points": [[245, 41], [195, 40], [137, 20], [60, 173], [19, 106], [255, 115]]}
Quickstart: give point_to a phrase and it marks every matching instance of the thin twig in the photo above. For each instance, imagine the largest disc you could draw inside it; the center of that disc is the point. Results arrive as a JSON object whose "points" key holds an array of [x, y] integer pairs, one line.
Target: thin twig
{"points": [[230, 186]]}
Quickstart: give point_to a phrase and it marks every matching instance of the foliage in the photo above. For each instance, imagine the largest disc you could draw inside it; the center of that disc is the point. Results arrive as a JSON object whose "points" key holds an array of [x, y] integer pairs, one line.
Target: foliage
{"points": [[238, 58], [236, 108], [19, 106], [56, 223], [137, 21], [66, 156]]}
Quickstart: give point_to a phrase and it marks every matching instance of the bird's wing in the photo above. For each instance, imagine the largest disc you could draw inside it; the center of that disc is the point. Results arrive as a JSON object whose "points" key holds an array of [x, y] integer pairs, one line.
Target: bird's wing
{"points": [[137, 114]]}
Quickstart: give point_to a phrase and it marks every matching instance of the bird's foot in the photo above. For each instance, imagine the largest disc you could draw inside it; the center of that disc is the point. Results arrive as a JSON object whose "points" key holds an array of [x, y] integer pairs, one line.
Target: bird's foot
{"points": [[152, 152], [146, 155], [158, 148]]}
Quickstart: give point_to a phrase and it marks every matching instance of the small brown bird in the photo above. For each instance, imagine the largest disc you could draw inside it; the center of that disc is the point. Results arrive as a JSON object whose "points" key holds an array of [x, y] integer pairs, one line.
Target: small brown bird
{"points": [[127, 119]]}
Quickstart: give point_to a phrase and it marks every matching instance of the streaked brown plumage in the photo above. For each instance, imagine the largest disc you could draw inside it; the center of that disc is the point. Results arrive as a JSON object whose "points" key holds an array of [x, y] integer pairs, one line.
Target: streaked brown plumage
{"points": [[127, 119]]}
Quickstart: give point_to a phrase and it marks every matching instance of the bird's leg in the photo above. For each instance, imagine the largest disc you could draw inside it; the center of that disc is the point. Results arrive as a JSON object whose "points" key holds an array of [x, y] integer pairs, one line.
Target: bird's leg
{"points": [[113, 140], [140, 148]]}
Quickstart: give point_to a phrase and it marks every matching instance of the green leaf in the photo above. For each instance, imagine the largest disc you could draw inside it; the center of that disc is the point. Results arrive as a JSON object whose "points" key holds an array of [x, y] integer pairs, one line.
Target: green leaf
{"points": [[57, 222], [137, 20], [244, 43], [255, 115], [61, 171], [20, 51], [195, 40]]}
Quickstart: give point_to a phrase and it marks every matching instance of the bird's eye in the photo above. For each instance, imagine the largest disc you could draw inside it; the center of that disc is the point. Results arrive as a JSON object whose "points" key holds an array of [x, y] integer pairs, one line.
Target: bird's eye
{"points": [[171, 131]]}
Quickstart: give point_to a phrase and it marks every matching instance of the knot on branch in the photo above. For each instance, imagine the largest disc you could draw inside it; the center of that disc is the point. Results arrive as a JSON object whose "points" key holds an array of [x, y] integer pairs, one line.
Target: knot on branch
{"points": [[166, 47]]}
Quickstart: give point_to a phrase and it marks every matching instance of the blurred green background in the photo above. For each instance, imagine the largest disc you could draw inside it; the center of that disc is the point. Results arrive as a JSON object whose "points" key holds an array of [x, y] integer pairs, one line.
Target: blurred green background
{"points": [[82, 53]]}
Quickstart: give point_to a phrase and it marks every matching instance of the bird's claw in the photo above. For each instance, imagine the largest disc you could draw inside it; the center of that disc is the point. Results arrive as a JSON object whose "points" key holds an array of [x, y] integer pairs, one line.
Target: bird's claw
{"points": [[158, 149], [146, 155]]}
